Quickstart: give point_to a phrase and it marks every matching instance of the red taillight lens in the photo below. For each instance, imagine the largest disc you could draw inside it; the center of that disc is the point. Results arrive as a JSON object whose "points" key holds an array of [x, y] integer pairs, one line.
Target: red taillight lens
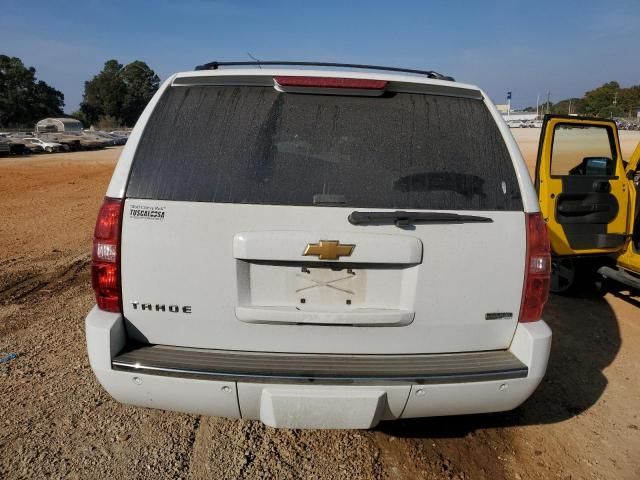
{"points": [[105, 267], [329, 82], [537, 269]]}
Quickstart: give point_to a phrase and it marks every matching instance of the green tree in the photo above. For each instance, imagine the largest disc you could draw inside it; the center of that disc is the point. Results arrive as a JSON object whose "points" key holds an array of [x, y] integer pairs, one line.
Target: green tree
{"points": [[119, 92], [603, 101], [103, 93], [570, 105], [630, 100], [141, 83], [23, 99]]}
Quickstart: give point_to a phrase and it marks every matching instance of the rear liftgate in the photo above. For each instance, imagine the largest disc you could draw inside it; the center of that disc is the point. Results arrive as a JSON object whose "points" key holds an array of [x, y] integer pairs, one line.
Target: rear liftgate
{"points": [[298, 239]]}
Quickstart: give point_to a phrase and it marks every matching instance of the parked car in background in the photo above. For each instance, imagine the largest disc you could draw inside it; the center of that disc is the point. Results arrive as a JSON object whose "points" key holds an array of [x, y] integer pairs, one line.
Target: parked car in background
{"points": [[118, 139], [95, 139], [105, 137], [111, 138], [18, 147], [20, 134], [121, 133], [516, 124], [37, 144], [5, 146]]}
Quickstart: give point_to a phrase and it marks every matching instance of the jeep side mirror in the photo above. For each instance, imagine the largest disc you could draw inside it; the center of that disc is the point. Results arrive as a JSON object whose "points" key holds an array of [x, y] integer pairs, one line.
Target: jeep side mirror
{"points": [[597, 166]]}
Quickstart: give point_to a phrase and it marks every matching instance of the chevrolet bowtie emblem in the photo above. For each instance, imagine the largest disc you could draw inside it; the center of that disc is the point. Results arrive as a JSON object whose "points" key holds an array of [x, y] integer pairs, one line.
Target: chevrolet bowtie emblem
{"points": [[329, 249]]}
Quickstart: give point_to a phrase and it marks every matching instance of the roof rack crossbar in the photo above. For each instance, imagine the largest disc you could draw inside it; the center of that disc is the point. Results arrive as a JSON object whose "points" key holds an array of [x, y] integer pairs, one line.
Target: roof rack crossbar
{"points": [[428, 73]]}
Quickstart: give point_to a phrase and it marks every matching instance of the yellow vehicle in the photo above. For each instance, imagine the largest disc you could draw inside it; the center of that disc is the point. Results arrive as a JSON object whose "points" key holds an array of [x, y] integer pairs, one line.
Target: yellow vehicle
{"points": [[588, 197]]}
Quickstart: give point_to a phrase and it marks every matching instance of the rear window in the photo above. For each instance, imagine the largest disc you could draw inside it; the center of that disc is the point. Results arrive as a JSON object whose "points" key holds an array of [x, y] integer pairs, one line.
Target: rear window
{"points": [[254, 145]]}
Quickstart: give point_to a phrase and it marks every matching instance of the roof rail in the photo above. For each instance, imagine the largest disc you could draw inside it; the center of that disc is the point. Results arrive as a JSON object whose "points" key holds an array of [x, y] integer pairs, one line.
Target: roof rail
{"points": [[428, 73]]}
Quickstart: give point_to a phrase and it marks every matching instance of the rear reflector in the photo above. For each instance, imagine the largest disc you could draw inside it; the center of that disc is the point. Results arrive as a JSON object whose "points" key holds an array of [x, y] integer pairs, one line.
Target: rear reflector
{"points": [[537, 269], [329, 82], [105, 266]]}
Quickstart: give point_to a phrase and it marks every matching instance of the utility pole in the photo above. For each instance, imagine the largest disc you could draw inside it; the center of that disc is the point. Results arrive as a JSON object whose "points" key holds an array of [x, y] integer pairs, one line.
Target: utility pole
{"points": [[549, 102], [569, 112]]}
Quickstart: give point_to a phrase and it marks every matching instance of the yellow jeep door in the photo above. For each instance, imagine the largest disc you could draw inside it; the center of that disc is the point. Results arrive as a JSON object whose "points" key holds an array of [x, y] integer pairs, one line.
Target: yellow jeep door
{"points": [[630, 259], [581, 184]]}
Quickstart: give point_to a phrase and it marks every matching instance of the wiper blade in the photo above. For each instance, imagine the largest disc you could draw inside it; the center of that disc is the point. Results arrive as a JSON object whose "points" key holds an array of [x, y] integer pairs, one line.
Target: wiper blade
{"points": [[404, 219]]}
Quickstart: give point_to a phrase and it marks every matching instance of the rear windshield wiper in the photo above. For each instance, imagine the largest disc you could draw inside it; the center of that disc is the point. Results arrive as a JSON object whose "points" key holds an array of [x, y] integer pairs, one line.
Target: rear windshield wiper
{"points": [[404, 219]]}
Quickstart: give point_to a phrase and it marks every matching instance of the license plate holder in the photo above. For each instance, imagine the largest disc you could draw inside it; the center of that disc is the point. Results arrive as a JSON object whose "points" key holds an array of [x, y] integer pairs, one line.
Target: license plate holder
{"points": [[326, 286]]}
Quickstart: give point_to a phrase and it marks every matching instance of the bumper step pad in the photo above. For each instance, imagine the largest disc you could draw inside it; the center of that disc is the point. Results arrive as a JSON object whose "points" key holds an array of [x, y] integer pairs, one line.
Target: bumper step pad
{"points": [[319, 368]]}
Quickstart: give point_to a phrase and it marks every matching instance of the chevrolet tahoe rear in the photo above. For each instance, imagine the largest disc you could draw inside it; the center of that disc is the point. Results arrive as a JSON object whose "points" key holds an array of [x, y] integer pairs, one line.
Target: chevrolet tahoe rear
{"points": [[320, 248]]}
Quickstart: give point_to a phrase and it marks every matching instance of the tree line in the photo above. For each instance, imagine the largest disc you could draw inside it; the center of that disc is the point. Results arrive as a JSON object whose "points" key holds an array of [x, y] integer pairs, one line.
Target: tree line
{"points": [[115, 97], [24, 99], [608, 101]]}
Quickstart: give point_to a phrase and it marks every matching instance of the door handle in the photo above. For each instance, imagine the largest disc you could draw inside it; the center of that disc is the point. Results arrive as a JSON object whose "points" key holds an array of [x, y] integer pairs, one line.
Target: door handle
{"points": [[601, 186], [579, 209]]}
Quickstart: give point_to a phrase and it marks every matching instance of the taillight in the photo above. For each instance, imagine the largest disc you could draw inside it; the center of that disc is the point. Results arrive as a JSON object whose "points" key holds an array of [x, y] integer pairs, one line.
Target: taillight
{"points": [[537, 269], [330, 82], [105, 266]]}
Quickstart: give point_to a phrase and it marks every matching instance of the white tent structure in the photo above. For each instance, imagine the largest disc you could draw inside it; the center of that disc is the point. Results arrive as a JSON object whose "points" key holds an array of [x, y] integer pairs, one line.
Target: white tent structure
{"points": [[49, 125]]}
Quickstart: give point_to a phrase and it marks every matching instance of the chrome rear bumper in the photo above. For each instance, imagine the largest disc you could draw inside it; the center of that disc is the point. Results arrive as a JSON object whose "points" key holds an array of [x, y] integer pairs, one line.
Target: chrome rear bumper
{"points": [[319, 369]]}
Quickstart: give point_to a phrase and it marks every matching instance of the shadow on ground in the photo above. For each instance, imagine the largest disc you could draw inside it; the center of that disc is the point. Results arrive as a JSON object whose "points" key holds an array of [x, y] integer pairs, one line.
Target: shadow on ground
{"points": [[629, 296], [586, 339]]}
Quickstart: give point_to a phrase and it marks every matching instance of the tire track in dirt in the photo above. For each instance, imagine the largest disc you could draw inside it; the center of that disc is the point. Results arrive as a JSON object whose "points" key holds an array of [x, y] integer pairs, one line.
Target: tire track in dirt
{"points": [[28, 281], [38, 275]]}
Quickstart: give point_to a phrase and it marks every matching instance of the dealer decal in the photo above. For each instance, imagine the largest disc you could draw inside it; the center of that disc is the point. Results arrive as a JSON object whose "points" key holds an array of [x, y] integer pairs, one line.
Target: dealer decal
{"points": [[147, 212]]}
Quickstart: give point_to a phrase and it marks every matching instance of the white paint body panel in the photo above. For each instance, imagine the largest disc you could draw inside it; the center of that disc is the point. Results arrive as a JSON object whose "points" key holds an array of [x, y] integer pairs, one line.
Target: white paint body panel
{"points": [[531, 345], [106, 336], [467, 270], [285, 246], [350, 317], [313, 406], [321, 406]]}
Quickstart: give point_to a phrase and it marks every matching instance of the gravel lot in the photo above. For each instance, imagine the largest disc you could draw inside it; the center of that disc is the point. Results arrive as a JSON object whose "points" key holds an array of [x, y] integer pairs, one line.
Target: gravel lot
{"points": [[56, 421]]}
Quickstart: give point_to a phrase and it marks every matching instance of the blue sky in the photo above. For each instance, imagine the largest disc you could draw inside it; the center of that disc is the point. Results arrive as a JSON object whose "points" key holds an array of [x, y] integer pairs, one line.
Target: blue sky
{"points": [[527, 47]]}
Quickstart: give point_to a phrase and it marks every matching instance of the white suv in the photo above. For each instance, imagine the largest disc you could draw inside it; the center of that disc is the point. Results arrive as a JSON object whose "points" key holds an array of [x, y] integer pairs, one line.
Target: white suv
{"points": [[43, 145], [320, 248]]}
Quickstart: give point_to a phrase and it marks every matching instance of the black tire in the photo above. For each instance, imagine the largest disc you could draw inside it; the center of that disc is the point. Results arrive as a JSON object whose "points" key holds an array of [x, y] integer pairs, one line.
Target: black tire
{"points": [[563, 275], [575, 276]]}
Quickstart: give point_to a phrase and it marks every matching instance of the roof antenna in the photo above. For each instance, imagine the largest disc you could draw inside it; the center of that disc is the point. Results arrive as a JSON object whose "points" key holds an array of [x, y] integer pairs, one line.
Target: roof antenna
{"points": [[255, 59]]}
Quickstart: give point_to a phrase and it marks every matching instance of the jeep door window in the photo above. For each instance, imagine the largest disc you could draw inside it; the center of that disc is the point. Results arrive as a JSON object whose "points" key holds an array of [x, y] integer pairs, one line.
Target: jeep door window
{"points": [[583, 150]]}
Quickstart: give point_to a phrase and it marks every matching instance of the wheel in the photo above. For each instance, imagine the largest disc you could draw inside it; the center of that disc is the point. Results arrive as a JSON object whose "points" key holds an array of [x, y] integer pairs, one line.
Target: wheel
{"points": [[48, 150], [578, 276], [563, 275]]}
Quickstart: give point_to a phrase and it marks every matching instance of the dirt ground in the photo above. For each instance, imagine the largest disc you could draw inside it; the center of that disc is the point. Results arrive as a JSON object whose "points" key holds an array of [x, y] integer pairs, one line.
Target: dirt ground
{"points": [[56, 421]]}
